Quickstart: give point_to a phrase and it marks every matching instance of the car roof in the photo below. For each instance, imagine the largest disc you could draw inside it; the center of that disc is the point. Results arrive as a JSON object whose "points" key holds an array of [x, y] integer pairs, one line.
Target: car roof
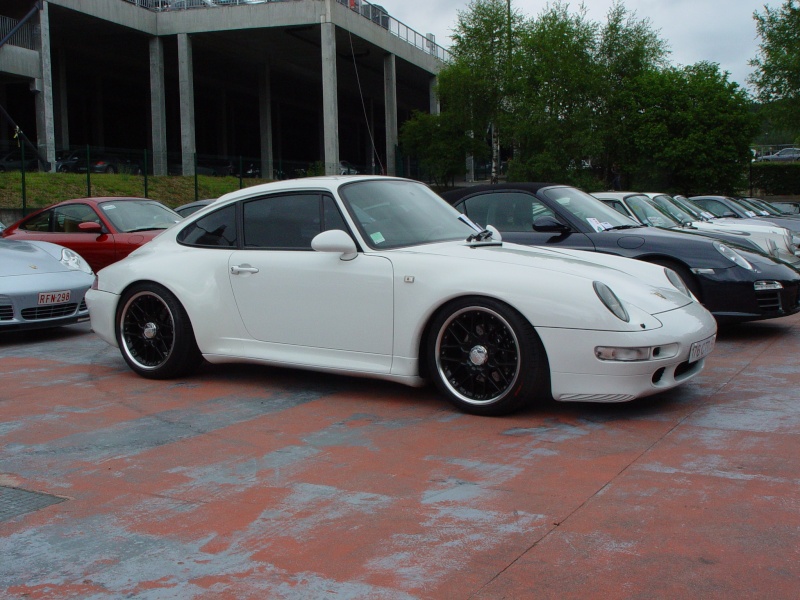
{"points": [[453, 196]]}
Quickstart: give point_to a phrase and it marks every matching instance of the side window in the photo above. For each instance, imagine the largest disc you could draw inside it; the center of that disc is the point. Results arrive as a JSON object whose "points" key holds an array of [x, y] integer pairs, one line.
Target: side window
{"points": [[715, 207], [287, 222], [617, 206], [40, 222], [67, 218], [216, 230], [508, 211], [332, 218]]}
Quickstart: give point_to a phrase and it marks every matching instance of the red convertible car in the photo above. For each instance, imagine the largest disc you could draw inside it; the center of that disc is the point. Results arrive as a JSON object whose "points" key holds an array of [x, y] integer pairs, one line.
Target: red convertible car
{"points": [[101, 230]]}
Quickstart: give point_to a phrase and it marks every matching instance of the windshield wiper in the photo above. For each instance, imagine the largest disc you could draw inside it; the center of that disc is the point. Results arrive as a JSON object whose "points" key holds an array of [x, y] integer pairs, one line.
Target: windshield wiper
{"points": [[480, 236], [622, 227]]}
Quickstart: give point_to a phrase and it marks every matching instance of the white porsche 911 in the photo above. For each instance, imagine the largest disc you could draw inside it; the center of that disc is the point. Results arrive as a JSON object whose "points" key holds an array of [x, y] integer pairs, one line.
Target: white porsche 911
{"points": [[379, 277]]}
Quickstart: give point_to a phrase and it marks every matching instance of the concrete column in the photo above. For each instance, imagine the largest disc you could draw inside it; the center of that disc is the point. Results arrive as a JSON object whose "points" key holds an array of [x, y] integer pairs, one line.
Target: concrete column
{"points": [[265, 122], [330, 102], [390, 99], [186, 87], [62, 115], [43, 88], [158, 107], [434, 101]]}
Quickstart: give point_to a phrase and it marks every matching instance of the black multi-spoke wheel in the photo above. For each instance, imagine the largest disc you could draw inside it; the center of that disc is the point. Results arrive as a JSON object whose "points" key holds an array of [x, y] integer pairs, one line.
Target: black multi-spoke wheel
{"points": [[154, 333], [485, 357]]}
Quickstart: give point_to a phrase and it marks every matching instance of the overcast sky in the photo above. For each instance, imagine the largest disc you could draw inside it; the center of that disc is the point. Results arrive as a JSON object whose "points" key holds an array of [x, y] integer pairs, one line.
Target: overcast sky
{"points": [[719, 31]]}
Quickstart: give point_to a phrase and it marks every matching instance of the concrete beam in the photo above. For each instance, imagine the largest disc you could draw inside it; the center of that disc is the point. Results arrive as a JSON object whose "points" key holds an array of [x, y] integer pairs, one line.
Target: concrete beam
{"points": [[390, 100], [330, 102], [186, 88], [158, 110]]}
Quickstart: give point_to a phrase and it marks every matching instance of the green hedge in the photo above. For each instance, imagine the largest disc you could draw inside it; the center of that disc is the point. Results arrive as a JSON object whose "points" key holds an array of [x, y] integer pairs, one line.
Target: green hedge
{"points": [[776, 179]]}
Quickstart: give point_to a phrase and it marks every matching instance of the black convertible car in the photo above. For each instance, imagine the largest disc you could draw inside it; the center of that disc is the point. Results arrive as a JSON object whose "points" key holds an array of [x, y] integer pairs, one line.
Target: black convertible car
{"points": [[735, 284]]}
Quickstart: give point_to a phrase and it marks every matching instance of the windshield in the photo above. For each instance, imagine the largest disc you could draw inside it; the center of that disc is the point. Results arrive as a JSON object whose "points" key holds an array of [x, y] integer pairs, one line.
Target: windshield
{"points": [[138, 215], [393, 214], [751, 208], [581, 205], [648, 213], [668, 205], [763, 206]]}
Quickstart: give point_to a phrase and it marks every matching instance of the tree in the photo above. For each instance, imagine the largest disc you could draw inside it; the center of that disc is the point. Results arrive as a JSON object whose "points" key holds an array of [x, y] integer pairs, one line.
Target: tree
{"points": [[478, 83], [777, 67], [439, 144], [628, 48], [557, 99], [691, 131]]}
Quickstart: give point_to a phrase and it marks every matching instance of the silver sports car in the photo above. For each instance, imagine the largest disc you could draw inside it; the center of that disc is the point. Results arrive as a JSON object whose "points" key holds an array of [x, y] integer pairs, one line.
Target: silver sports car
{"points": [[41, 285]]}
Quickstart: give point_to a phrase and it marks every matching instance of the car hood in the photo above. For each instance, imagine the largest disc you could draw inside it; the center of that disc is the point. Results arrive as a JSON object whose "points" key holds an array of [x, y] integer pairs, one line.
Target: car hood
{"points": [[29, 258], [640, 283]]}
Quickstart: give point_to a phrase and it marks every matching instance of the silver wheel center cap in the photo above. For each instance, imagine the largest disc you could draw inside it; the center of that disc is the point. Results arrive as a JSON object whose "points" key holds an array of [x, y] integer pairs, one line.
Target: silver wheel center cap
{"points": [[150, 331], [478, 356]]}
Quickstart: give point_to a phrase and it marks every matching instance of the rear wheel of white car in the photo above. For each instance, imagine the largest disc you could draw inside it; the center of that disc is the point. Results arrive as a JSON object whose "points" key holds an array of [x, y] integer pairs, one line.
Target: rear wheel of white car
{"points": [[155, 334], [486, 358]]}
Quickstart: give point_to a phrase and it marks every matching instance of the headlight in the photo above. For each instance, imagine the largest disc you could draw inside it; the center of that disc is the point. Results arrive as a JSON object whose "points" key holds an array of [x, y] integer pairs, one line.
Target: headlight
{"points": [[733, 256], [74, 261], [610, 300], [676, 280]]}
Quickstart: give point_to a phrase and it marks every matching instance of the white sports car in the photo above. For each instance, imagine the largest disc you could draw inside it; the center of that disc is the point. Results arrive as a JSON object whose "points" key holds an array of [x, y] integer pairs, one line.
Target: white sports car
{"points": [[41, 285], [380, 277]]}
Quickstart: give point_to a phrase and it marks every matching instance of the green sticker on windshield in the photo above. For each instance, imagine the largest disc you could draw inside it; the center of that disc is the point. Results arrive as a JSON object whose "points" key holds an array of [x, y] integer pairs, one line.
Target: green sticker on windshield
{"points": [[377, 237]]}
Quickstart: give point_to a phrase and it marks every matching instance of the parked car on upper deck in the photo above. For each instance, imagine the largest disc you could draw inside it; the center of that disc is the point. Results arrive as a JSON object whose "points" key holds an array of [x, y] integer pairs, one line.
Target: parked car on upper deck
{"points": [[733, 283], [379, 277], [785, 155], [101, 230]]}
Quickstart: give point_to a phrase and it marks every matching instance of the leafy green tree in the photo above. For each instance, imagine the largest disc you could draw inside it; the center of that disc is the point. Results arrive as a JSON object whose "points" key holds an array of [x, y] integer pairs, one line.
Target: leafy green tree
{"points": [[478, 83], [691, 131], [439, 144], [777, 67], [627, 49], [557, 99]]}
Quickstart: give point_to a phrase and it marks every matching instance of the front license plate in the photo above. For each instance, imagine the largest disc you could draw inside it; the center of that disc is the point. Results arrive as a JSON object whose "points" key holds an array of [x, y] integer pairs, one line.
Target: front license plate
{"points": [[54, 297], [701, 349]]}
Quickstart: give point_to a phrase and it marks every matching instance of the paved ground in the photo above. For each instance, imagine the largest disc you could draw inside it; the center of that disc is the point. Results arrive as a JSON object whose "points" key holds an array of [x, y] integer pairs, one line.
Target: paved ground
{"points": [[257, 483]]}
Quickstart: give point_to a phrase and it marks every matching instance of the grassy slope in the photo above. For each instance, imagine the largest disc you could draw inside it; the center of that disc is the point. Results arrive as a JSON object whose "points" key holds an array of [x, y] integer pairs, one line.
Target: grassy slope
{"points": [[43, 189]]}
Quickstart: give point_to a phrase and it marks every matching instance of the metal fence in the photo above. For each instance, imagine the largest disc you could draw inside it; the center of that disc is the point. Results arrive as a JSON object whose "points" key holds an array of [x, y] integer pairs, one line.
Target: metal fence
{"points": [[373, 12], [24, 38]]}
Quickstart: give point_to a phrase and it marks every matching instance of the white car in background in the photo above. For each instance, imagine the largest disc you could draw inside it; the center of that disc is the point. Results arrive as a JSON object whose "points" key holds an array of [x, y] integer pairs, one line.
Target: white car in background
{"points": [[380, 277]]}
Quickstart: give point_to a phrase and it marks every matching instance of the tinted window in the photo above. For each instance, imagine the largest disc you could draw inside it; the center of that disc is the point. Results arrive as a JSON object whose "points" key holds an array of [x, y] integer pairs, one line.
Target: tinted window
{"points": [[67, 218], [507, 211], [217, 229], [40, 222], [289, 221]]}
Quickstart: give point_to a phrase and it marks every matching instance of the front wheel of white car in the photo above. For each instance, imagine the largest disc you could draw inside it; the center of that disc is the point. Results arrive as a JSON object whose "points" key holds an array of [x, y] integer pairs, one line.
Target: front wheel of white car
{"points": [[155, 334], [486, 358]]}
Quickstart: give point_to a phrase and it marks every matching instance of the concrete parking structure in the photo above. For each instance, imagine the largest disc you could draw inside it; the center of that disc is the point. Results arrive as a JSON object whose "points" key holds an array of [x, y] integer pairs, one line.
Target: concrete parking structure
{"points": [[251, 482]]}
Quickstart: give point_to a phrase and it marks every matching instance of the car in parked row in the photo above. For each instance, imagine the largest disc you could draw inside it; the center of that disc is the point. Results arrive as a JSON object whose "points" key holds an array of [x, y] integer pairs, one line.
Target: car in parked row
{"points": [[379, 277], [744, 208], [101, 230], [734, 283], [41, 285], [660, 210]]}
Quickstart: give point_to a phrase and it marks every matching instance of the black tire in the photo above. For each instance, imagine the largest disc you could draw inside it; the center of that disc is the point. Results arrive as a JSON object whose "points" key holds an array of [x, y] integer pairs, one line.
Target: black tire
{"points": [[154, 333], [688, 278], [486, 358]]}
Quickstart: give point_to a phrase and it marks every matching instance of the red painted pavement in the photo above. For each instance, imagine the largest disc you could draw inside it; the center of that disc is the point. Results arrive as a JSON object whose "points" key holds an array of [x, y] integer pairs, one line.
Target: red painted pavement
{"points": [[249, 482]]}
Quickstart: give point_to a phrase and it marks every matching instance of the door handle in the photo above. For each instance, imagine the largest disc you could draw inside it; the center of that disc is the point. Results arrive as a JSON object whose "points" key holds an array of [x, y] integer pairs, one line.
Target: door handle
{"points": [[236, 269]]}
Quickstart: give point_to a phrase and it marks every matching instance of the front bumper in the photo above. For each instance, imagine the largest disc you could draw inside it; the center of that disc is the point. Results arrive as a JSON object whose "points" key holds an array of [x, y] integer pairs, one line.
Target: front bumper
{"points": [[578, 376]]}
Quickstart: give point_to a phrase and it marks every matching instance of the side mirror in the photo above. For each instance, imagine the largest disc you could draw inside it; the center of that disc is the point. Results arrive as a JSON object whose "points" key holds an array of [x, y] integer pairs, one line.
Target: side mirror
{"points": [[90, 227], [335, 240], [549, 223]]}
